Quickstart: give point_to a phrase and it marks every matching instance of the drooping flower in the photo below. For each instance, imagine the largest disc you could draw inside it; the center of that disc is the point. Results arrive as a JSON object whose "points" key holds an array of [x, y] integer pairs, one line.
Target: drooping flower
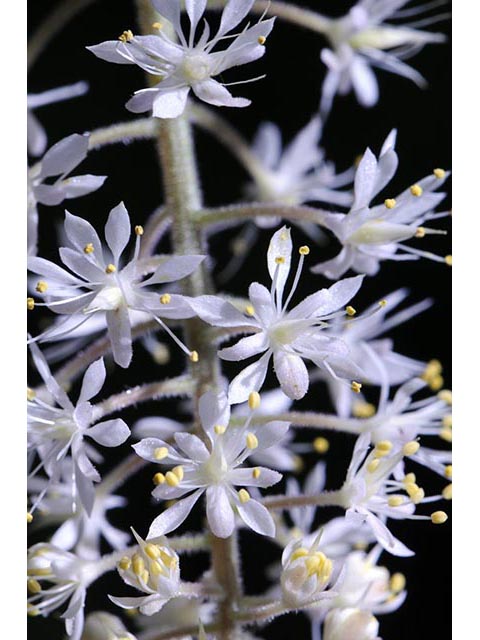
{"points": [[381, 365], [60, 160], [106, 285], [56, 427], [214, 468], [362, 39], [371, 494], [370, 234], [154, 570], [350, 624], [191, 63], [36, 136], [290, 336]]}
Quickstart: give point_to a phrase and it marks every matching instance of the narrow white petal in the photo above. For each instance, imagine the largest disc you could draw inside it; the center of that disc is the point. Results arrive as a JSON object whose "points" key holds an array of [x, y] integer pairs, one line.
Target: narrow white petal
{"points": [[110, 433], [291, 373], [219, 512], [257, 517], [173, 517]]}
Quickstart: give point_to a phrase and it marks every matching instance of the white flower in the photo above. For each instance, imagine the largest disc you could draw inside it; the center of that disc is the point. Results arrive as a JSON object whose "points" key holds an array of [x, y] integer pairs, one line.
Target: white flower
{"points": [[178, 612], [306, 573], [56, 577], [360, 40], [350, 624], [153, 569], [54, 431], [36, 136], [381, 365], [60, 160], [299, 173], [290, 336], [371, 495], [370, 234], [101, 625], [191, 62], [111, 289], [314, 484], [214, 468]]}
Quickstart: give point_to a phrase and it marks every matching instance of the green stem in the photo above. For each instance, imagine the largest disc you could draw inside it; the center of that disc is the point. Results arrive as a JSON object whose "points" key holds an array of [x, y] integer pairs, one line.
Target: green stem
{"points": [[236, 214]]}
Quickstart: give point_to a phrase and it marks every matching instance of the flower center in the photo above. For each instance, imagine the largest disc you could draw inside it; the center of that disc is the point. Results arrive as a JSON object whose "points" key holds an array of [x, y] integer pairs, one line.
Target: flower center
{"points": [[108, 299], [196, 67]]}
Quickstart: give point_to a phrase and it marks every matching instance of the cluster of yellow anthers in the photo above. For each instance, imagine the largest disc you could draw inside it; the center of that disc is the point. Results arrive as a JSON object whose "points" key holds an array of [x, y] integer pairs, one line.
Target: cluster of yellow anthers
{"points": [[147, 564], [315, 563], [433, 375]]}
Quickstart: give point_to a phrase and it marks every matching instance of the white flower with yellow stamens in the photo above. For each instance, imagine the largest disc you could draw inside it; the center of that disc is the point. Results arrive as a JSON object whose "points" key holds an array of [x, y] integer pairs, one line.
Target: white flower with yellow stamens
{"points": [[362, 39], [190, 63], [371, 234], [154, 570], [102, 284], [290, 336], [214, 468]]}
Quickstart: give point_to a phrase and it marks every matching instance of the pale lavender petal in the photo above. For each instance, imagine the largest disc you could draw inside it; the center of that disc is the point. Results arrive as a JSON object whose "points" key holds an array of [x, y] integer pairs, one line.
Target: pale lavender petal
{"points": [[219, 512], [93, 380], [173, 517], [262, 302], [218, 312], [109, 51], [213, 409], [215, 93], [257, 517], [81, 185], [280, 248], [291, 373], [267, 145], [170, 103], [245, 348], [270, 434], [364, 82], [120, 334], [146, 450], [248, 380], [173, 268], [142, 100], [117, 230], [81, 233], [192, 446], [234, 12], [110, 433], [130, 602], [245, 477], [365, 178], [327, 301], [64, 156], [50, 270]]}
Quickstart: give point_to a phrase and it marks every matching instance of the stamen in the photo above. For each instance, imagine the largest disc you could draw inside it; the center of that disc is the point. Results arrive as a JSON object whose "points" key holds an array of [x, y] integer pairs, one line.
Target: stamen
{"points": [[139, 230], [261, 40], [30, 304], [166, 298], [178, 471], [445, 395], [138, 564], [382, 448], [125, 563], [156, 568], [152, 551], [439, 173], [111, 268], [29, 517], [448, 471], [363, 409], [373, 465], [416, 190], [410, 448], [193, 356], [41, 287], [256, 473], [395, 501], [397, 582], [448, 260], [356, 386], [30, 394], [160, 453], [33, 586], [251, 440], [172, 479], [410, 478], [304, 251], [350, 311], [298, 553], [420, 232], [158, 478], [244, 496], [447, 421], [390, 203], [447, 492], [88, 248], [249, 310], [321, 445], [126, 36], [219, 429], [439, 517], [280, 260], [157, 25], [254, 400]]}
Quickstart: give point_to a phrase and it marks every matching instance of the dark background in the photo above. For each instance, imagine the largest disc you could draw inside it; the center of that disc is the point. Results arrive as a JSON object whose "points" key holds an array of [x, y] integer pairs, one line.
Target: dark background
{"points": [[288, 96]]}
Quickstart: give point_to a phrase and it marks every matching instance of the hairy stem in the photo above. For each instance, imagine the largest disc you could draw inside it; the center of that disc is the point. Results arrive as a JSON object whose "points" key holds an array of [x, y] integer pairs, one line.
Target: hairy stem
{"points": [[318, 421], [236, 214], [324, 499]]}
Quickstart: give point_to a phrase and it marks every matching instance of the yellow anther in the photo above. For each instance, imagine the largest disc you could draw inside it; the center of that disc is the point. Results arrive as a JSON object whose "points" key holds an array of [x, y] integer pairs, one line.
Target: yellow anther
{"points": [[448, 471], [219, 429], [251, 440], [410, 448], [249, 310], [360, 546], [169, 503], [363, 409], [30, 304], [30, 394], [256, 473], [39, 571], [446, 396], [384, 447], [156, 568], [145, 576], [138, 564], [158, 478], [434, 367], [254, 400], [152, 551], [166, 298], [395, 501], [439, 517], [193, 356], [172, 479], [447, 492], [157, 25], [126, 36], [350, 311], [435, 383], [160, 453], [448, 260], [446, 434], [178, 471], [439, 173], [131, 612], [167, 559], [125, 563], [261, 39], [410, 478], [416, 190], [304, 251], [32, 611], [417, 496], [88, 248], [390, 203], [397, 582], [280, 260], [447, 421], [382, 303], [355, 386], [420, 232], [139, 230], [298, 464], [41, 287], [110, 268], [321, 445], [29, 517], [33, 586], [313, 564], [244, 496], [296, 533], [373, 465], [284, 236], [299, 553]]}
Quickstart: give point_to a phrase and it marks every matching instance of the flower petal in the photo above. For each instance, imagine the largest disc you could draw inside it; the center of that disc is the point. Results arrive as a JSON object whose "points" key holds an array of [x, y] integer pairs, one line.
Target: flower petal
{"points": [[248, 380], [192, 446], [173, 517], [291, 373], [245, 348], [93, 380], [257, 517], [245, 477], [215, 93], [64, 156], [120, 334], [110, 433], [117, 230], [279, 257], [219, 512]]}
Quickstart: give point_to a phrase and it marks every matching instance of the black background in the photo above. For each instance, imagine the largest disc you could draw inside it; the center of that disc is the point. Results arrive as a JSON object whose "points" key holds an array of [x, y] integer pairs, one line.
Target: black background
{"points": [[288, 96]]}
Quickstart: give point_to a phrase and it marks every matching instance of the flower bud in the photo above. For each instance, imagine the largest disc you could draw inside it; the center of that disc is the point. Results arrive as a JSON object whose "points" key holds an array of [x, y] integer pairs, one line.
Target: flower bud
{"points": [[350, 624]]}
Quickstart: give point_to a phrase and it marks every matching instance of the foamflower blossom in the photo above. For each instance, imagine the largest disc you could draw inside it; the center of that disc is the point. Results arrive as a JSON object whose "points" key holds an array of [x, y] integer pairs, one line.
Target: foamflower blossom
{"points": [[154, 570], [101, 625], [350, 624], [370, 234], [103, 284], [191, 63], [214, 468], [59, 161], [56, 577], [57, 427], [290, 336], [361, 40], [36, 135], [382, 366]]}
